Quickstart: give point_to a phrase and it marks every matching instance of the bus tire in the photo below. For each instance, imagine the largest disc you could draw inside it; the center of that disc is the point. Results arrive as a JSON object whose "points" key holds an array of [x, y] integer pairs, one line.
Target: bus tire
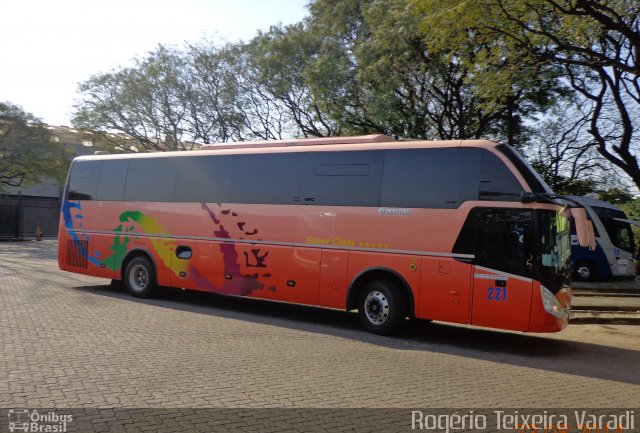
{"points": [[583, 271], [140, 277], [382, 307]]}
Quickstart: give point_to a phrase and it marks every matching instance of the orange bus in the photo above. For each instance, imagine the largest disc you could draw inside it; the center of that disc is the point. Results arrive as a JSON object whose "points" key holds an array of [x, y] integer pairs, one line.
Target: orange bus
{"points": [[454, 231]]}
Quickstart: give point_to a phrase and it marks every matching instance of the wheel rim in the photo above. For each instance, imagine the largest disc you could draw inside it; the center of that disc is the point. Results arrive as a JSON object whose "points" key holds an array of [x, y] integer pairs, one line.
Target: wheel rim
{"points": [[138, 278], [584, 272], [376, 308]]}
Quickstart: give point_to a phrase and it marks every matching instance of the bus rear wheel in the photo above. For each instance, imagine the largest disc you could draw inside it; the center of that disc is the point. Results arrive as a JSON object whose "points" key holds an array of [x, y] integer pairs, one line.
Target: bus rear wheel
{"points": [[140, 278], [382, 307]]}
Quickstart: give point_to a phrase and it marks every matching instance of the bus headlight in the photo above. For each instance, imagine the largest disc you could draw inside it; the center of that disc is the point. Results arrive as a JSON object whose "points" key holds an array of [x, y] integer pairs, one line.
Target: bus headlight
{"points": [[551, 304]]}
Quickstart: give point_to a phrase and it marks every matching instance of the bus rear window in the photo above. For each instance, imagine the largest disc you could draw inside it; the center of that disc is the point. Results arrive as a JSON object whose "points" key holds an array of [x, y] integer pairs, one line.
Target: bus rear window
{"points": [[83, 180]]}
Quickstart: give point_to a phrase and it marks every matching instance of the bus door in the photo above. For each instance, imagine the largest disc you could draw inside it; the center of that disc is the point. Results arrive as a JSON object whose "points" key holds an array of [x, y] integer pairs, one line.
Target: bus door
{"points": [[504, 258]]}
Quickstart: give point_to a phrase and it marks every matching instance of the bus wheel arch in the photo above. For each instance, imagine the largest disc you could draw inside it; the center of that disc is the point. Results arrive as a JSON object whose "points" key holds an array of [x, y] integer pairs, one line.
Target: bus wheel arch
{"points": [[381, 288], [138, 273]]}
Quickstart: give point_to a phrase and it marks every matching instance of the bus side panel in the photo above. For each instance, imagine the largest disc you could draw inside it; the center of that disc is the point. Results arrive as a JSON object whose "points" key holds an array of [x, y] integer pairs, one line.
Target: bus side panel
{"points": [[407, 266], [101, 246], [79, 253], [62, 245], [445, 290], [82, 254], [262, 271], [597, 258], [67, 253], [281, 273], [218, 267], [62, 249], [333, 279], [204, 270]]}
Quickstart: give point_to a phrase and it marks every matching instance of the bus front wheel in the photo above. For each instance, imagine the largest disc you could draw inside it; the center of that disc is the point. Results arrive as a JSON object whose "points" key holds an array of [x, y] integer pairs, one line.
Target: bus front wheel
{"points": [[140, 277], [583, 271], [382, 307]]}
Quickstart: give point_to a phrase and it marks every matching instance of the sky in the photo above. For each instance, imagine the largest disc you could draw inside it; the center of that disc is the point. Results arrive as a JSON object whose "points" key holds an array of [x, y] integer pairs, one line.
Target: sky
{"points": [[47, 47]]}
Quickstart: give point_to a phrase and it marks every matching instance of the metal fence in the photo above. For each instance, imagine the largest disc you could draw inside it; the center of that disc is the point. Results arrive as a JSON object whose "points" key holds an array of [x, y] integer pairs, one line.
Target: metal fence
{"points": [[22, 216]]}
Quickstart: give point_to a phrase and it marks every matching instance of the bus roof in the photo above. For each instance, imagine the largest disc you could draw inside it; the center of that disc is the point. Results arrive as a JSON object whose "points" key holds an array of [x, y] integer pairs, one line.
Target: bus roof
{"points": [[363, 142], [375, 138]]}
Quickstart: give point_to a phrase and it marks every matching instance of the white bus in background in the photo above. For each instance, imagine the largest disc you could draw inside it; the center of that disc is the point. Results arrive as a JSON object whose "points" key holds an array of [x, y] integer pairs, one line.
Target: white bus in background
{"points": [[614, 256]]}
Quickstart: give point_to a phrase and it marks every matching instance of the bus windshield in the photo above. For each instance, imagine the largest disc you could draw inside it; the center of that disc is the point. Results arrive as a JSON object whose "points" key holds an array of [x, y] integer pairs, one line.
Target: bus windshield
{"points": [[555, 249], [619, 232]]}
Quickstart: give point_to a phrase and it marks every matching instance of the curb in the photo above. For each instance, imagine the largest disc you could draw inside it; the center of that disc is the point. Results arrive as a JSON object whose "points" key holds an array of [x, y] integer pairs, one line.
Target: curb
{"points": [[604, 317]]}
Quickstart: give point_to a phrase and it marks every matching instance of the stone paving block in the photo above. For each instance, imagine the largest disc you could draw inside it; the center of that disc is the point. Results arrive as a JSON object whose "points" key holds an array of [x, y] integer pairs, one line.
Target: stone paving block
{"points": [[72, 341]]}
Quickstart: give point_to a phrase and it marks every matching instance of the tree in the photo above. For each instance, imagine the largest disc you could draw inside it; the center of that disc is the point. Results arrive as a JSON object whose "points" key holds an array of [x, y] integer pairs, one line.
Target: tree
{"points": [[28, 152], [266, 114], [564, 153], [172, 98], [593, 44], [377, 71], [616, 196], [277, 62], [213, 101], [145, 102]]}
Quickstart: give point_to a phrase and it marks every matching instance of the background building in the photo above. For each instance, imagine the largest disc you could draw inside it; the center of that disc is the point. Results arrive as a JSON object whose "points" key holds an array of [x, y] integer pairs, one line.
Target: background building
{"points": [[26, 210]]}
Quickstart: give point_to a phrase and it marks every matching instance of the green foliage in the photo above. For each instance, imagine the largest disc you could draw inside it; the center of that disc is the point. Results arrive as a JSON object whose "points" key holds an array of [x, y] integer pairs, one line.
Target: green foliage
{"points": [[557, 79], [562, 184], [593, 45], [632, 209], [172, 98], [144, 102], [27, 150], [378, 71], [276, 67], [353, 67], [616, 196]]}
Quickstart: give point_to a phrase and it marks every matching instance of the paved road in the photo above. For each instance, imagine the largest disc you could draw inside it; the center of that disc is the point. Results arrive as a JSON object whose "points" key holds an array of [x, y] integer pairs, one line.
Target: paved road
{"points": [[73, 341]]}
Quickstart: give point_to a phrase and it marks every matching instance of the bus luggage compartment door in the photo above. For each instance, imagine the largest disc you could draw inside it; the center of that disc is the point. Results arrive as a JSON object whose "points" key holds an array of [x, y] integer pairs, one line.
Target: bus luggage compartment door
{"points": [[445, 290]]}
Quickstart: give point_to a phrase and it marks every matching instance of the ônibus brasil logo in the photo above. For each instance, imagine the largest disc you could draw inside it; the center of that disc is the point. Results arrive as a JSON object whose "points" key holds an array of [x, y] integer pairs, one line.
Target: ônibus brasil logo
{"points": [[32, 421]]}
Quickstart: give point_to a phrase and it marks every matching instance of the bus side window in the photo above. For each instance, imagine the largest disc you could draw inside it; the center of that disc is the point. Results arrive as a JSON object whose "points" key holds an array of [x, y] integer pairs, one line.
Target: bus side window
{"points": [[83, 181], [113, 175], [268, 178], [504, 240], [497, 183], [205, 179], [151, 179], [342, 178], [430, 178]]}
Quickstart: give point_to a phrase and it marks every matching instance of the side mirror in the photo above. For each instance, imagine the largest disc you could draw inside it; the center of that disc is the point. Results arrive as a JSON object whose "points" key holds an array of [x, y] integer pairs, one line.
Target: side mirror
{"points": [[584, 228]]}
